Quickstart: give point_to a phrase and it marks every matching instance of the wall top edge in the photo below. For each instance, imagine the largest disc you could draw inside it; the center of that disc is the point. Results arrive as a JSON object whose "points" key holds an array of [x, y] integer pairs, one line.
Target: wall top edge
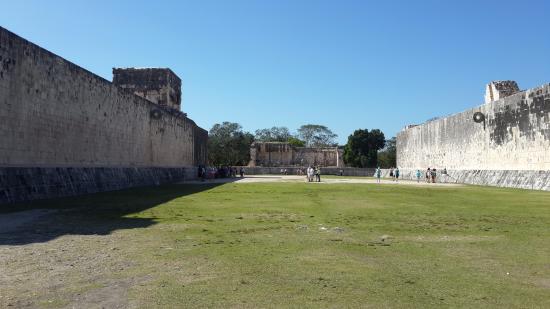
{"points": [[502, 101]]}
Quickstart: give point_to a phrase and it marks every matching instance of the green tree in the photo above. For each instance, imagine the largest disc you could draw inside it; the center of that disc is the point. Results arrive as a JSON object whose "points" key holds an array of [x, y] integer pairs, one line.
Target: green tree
{"points": [[315, 135], [387, 156], [228, 144], [274, 134], [362, 147], [294, 141]]}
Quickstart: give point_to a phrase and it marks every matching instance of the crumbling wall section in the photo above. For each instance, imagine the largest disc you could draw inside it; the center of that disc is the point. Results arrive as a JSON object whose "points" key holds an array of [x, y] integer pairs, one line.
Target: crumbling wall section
{"points": [[158, 85]]}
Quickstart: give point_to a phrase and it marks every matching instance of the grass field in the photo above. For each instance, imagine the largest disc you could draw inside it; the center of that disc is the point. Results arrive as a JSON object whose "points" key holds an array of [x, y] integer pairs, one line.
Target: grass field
{"points": [[279, 245]]}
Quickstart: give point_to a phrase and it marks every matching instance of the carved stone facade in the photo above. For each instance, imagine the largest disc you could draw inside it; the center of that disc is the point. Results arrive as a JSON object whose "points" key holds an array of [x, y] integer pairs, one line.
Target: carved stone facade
{"points": [[271, 154]]}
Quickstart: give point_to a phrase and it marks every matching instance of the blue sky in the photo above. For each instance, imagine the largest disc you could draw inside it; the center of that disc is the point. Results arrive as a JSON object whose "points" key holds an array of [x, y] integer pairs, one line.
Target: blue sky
{"points": [[343, 64]]}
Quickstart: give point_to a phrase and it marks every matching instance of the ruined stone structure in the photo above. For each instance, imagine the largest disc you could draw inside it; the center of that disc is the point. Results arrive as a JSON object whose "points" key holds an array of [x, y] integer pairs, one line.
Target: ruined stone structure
{"points": [[66, 131], [505, 142], [160, 86], [274, 154], [500, 89]]}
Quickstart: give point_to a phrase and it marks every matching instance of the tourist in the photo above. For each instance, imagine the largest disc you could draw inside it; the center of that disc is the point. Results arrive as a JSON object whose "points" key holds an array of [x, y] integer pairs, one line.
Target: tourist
{"points": [[428, 175], [434, 174], [378, 174], [418, 174], [391, 173], [241, 171], [318, 174], [396, 174], [309, 174]]}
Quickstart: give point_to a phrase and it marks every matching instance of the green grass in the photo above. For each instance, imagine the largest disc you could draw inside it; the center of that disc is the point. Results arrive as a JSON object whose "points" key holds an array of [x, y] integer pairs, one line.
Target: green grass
{"points": [[302, 245]]}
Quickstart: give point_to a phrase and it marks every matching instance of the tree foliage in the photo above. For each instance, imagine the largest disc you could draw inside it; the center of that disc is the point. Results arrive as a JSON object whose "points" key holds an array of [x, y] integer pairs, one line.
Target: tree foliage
{"points": [[315, 135], [274, 134], [362, 148], [228, 144], [294, 141], [387, 157]]}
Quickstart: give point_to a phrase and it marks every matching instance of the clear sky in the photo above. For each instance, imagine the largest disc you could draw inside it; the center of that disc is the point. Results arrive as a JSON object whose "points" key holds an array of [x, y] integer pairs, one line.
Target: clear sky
{"points": [[343, 64]]}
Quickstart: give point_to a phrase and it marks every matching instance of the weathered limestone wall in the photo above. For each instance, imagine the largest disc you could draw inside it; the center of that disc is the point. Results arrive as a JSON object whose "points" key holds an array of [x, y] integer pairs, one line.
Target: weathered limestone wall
{"points": [[54, 114], [514, 136], [284, 154]]}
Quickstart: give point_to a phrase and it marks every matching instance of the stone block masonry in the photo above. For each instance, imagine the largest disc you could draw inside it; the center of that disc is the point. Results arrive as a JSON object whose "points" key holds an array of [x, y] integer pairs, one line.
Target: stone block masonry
{"points": [[54, 114], [160, 86], [508, 145]]}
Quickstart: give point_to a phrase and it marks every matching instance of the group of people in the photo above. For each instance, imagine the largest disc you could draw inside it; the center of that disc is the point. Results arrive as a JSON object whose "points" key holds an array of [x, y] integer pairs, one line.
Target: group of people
{"points": [[394, 174], [313, 174], [431, 174]]}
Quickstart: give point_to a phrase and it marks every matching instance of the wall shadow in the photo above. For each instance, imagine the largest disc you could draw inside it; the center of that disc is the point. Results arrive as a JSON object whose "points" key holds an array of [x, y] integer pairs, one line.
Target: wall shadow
{"points": [[92, 214]]}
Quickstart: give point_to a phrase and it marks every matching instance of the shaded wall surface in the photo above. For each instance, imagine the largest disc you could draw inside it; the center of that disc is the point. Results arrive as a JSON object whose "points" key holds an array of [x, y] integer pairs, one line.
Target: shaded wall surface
{"points": [[513, 137], [56, 114], [22, 184]]}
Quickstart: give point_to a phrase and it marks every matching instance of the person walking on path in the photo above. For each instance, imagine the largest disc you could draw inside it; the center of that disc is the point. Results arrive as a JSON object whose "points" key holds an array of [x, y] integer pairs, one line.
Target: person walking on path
{"points": [[434, 175], [318, 174], [428, 175], [378, 173], [418, 174], [396, 174]]}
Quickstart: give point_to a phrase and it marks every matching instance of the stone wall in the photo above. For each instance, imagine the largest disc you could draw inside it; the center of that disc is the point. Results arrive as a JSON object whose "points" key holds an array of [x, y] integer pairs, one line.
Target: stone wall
{"points": [[284, 154], [56, 114], [513, 134], [21, 184]]}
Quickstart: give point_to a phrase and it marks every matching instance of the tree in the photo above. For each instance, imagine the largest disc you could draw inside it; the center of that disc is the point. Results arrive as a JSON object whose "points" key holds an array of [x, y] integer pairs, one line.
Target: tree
{"points": [[315, 135], [296, 142], [228, 144], [362, 148], [274, 134], [387, 157]]}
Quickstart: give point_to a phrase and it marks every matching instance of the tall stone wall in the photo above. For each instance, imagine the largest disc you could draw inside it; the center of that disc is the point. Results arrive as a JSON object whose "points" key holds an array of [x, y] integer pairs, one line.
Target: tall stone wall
{"points": [[513, 135], [56, 114]]}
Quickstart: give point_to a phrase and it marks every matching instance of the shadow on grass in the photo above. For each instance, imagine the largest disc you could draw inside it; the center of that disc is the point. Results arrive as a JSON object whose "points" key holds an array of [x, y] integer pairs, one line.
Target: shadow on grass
{"points": [[93, 214]]}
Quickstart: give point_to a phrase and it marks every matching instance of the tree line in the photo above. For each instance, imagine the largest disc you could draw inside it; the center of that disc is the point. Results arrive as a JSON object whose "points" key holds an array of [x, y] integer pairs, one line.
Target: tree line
{"points": [[229, 144]]}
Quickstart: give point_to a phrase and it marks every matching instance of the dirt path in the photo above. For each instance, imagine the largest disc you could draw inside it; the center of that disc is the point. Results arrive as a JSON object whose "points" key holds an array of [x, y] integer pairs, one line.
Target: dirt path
{"points": [[324, 180]]}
